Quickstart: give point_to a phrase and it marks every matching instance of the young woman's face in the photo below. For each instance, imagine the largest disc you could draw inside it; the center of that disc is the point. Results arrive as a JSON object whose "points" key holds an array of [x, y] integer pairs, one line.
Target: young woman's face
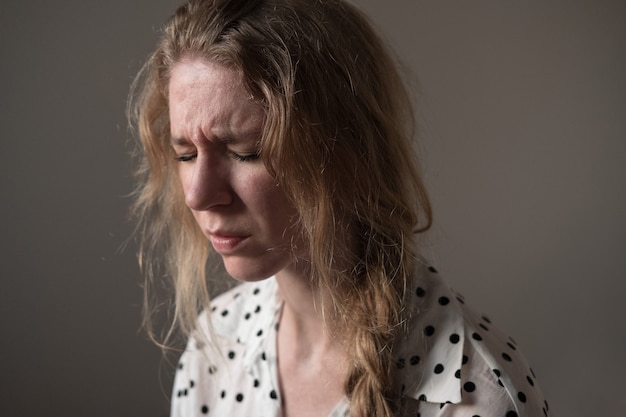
{"points": [[215, 131]]}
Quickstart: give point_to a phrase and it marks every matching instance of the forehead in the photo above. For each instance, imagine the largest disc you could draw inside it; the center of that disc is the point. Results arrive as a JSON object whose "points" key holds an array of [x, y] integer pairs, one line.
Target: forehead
{"points": [[206, 95], [195, 78], [193, 70]]}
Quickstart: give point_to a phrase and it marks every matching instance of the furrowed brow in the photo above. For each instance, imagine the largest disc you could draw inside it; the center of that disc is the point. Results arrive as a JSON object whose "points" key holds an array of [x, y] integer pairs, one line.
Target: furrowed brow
{"points": [[223, 137], [230, 137], [179, 141]]}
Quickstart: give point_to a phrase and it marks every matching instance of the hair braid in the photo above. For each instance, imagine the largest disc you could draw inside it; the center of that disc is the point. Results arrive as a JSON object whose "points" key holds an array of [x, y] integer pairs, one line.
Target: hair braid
{"points": [[369, 382], [376, 321]]}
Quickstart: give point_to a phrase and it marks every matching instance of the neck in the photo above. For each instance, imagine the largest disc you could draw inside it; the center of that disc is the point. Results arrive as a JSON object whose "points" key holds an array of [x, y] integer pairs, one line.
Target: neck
{"points": [[302, 320], [311, 363]]}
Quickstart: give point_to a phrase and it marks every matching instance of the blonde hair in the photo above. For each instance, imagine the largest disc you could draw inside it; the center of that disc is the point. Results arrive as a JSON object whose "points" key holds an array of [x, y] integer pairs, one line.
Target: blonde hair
{"points": [[337, 137]]}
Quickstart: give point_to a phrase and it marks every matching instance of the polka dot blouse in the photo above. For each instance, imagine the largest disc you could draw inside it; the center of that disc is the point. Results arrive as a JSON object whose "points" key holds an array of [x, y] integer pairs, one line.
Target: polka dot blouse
{"points": [[454, 363]]}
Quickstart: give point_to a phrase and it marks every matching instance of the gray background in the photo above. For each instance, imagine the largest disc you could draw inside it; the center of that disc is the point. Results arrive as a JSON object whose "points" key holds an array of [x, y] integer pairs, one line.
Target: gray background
{"points": [[522, 108]]}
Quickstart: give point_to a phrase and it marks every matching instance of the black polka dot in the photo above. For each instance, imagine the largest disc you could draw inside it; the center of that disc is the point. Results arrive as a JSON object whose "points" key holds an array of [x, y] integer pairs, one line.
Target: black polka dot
{"points": [[432, 269], [511, 414], [420, 292], [497, 372], [457, 374], [223, 394], [475, 415], [545, 412], [180, 365], [530, 381], [477, 337], [465, 360], [506, 357], [257, 309], [486, 319], [247, 316], [224, 313], [237, 295], [521, 396], [500, 383], [469, 387], [438, 368], [239, 397], [511, 345], [454, 338], [205, 409], [263, 356], [231, 355], [482, 326], [415, 360], [429, 330], [256, 291], [191, 384], [422, 397], [273, 395], [259, 333], [213, 308], [444, 301], [255, 383]]}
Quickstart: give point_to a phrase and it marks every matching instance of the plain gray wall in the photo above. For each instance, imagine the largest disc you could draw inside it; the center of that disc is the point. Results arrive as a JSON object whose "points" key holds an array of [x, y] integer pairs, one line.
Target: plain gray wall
{"points": [[522, 110]]}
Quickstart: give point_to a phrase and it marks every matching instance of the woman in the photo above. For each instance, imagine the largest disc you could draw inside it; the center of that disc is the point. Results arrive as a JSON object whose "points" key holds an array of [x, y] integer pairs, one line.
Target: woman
{"points": [[277, 134]]}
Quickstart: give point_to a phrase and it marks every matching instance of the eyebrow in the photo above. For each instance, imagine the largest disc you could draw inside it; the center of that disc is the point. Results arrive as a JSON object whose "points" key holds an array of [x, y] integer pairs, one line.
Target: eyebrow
{"points": [[178, 141], [225, 137]]}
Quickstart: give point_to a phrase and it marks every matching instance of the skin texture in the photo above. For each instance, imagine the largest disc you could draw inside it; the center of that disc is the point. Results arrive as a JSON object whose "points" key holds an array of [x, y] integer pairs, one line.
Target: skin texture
{"points": [[215, 129]]}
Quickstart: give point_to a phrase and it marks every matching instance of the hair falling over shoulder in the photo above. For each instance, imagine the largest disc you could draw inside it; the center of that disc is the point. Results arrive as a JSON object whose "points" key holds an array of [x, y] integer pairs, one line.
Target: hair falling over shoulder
{"points": [[337, 137]]}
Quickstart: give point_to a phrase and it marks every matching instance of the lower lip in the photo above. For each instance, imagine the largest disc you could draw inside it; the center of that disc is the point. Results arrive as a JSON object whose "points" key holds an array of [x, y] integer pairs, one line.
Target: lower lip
{"points": [[226, 244]]}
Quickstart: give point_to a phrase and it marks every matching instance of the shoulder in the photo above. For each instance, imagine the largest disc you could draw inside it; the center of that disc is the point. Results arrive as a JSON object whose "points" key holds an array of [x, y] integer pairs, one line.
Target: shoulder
{"points": [[495, 367], [462, 362], [215, 370]]}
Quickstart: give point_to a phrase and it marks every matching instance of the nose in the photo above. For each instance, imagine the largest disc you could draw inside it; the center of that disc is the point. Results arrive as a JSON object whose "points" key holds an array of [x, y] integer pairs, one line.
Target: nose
{"points": [[206, 184]]}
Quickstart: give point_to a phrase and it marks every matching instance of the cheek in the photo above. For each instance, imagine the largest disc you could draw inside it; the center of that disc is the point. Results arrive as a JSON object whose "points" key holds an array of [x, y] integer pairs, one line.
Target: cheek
{"points": [[269, 202], [183, 174], [266, 200], [255, 187]]}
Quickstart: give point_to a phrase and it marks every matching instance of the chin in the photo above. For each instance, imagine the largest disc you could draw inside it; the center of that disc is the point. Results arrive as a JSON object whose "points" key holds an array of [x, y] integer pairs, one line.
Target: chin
{"points": [[247, 271]]}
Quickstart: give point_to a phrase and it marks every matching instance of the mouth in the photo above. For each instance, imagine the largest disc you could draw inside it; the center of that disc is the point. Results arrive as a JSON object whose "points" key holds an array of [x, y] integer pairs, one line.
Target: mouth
{"points": [[226, 243]]}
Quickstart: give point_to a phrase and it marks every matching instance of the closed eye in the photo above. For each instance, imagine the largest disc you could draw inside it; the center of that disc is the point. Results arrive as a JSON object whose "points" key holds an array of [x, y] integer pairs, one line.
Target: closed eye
{"points": [[186, 157], [245, 157]]}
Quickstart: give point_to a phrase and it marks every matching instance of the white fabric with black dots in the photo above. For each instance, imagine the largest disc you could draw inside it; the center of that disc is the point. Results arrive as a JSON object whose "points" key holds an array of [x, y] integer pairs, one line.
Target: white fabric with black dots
{"points": [[454, 363]]}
